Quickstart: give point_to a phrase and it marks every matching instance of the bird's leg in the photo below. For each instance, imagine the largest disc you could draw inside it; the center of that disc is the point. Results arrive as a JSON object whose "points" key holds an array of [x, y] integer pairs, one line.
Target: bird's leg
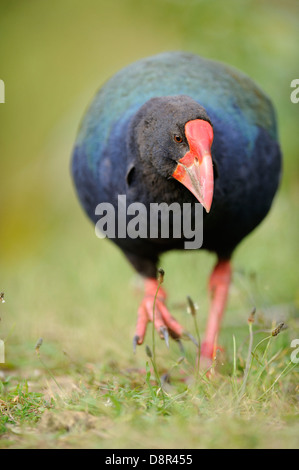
{"points": [[218, 286], [163, 320]]}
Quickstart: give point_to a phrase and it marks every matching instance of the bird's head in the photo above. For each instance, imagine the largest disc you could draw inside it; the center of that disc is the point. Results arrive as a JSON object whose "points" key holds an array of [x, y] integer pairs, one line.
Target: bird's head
{"points": [[174, 135]]}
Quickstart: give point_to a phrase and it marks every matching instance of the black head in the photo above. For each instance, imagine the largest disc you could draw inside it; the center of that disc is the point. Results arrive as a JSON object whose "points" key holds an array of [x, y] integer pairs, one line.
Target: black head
{"points": [[158, 131]]}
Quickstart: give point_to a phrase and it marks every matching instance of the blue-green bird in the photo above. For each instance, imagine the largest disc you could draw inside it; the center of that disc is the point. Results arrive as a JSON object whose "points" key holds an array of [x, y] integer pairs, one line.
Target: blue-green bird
{"points": [[178, 128]]}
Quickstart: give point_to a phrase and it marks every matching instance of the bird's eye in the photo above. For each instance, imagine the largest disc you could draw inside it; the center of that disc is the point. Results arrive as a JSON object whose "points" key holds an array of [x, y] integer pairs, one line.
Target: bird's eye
{"points": [[178, 139]]}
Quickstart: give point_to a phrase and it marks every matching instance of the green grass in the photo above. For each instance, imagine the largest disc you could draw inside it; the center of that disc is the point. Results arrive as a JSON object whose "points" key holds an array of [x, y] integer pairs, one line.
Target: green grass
{"points": [[19, 406], [105, 406]]}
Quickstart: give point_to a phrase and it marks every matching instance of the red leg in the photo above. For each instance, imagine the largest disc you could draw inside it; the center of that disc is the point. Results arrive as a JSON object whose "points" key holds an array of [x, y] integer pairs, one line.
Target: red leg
{"points": [[218, 287], [164, 322]]}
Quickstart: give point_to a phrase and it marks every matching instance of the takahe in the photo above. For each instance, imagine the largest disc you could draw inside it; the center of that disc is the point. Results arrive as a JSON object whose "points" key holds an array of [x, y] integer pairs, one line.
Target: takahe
{"points": [[178, 128]]}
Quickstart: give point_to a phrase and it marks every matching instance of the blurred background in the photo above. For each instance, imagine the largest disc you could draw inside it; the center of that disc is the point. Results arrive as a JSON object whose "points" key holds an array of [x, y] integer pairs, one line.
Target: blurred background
{"points": [[60, 281]]}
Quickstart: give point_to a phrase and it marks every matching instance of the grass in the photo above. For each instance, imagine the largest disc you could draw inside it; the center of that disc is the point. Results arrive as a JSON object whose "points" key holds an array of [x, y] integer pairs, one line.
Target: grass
{"points": [[110, 407], [19, 406]]}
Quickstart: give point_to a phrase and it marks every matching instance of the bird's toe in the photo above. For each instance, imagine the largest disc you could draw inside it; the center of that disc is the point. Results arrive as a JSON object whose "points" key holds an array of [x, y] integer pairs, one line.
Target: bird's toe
{"points": [[152, 310]]}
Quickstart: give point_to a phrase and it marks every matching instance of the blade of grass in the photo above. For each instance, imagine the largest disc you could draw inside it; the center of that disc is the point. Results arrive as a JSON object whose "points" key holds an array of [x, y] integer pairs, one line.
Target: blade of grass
{"points": [[37, 350], [249, 355], [160, 281]]}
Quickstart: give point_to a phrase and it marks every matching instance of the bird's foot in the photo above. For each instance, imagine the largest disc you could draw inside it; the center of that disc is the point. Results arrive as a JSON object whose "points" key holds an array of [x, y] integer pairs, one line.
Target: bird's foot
{"points": [[153, 308]]}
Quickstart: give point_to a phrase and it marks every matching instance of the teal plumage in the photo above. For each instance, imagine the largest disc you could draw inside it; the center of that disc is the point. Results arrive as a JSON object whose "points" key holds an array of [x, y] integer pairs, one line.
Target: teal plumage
{"points": [[178, 128], [245, 150], [220, 89]]}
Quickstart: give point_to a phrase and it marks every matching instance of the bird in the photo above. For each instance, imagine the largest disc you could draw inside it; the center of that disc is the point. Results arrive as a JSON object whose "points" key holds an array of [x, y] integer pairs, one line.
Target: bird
{"points": [[178, 128]]}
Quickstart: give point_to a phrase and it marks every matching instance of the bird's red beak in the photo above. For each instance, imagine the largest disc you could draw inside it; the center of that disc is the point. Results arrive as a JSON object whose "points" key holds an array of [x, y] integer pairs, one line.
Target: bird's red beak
{"points": [[195, 169]]}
